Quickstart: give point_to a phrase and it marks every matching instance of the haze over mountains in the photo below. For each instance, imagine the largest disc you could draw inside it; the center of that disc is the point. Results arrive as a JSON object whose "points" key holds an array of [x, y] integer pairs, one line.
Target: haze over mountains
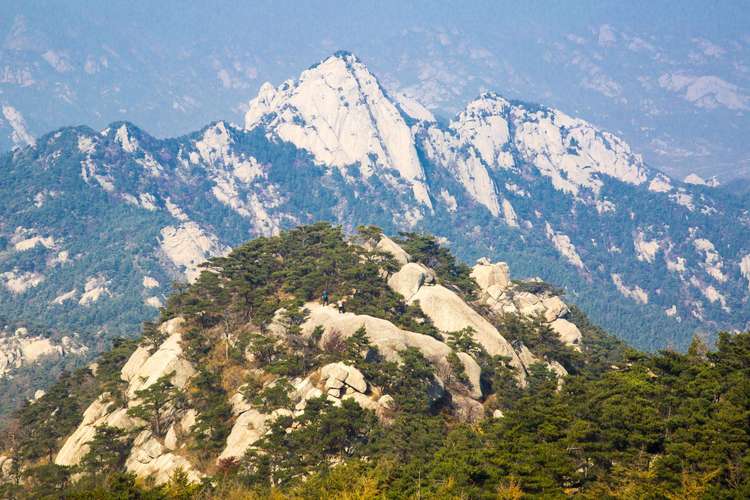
{"points": [[678, 93]]}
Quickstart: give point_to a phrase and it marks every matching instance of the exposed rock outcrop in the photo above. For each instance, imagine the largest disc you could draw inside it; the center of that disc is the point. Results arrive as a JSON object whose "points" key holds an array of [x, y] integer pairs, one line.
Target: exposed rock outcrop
{"points": [[343, 378], [6, 467], [385, 244], [158, 454], [387, 337], [338, 381], [250, 426], [503, 296], [149, 457], [20, 348], [489, 276], [448, 311]]}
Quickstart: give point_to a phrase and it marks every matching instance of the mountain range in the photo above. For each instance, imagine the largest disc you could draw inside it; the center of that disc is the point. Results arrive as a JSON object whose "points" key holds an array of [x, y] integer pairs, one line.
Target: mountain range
{"points": [[98, 224], [678, 94]]}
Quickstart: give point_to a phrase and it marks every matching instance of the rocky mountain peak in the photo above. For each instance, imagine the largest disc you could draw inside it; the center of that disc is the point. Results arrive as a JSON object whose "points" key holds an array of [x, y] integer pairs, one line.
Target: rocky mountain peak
{"points": [[338, 111]]}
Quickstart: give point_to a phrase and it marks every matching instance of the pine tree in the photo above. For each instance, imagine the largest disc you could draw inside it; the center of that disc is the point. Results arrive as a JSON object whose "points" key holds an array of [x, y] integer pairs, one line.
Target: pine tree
{"points": [[155, 400], [107, 451]]}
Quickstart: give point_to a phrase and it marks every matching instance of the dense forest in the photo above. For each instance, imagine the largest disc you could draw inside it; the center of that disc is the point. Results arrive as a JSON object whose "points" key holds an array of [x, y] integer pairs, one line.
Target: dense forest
{"points": [[621, 424]]}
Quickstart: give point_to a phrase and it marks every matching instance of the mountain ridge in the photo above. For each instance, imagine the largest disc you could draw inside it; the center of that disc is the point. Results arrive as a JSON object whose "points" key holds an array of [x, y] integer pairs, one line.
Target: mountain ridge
{"points": [[265, 306]]}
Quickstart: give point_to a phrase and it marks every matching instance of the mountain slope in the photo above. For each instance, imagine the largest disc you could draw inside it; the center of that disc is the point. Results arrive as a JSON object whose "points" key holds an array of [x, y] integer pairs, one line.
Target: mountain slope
{"points": [[312, 365], [250, 341], [338, 112], [96, 225]]}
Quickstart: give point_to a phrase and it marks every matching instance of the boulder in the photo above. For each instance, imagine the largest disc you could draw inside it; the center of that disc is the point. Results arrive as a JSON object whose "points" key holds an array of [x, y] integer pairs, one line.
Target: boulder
{"points": [[410, 279], [356, 380], [304, 390], [150, 460], [554, 308], [336, 375], [487, 275], [500, 302], [389, 246], [170, 439], [528, 304], [568, 332], [311, 394], [363, 401], [334, 383], [495, 293]]}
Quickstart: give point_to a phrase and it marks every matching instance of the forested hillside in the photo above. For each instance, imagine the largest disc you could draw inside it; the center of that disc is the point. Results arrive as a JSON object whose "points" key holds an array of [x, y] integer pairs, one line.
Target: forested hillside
{"points": [[312, 365]]}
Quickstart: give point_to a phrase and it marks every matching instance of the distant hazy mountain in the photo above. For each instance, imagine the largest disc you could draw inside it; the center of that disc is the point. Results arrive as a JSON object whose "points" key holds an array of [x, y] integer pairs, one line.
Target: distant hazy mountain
{"points": [[678, 92]]}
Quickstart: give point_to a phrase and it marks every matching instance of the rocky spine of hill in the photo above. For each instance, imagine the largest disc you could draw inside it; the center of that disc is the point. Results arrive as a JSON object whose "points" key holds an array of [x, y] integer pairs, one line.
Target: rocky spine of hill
{"points": [[464, 337]]}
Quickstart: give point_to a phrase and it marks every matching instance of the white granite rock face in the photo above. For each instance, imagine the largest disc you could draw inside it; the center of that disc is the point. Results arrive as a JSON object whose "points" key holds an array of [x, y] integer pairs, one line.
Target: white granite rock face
{"points": [[97, 414], [338, 112], [388, 245], [248, 428], [488, 275], [21, 348], [567, 331], [448, 311], [410, 279], [338, 375], [149, 457]]}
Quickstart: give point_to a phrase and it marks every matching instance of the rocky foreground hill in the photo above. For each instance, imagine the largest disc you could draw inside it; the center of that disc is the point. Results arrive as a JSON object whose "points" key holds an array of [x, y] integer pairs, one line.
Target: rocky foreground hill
{"points": [[313, 365]]}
